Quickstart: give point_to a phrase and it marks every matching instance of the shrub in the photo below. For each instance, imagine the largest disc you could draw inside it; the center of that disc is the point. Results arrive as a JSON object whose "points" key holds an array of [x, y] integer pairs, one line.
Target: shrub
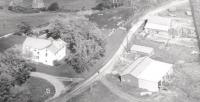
{"points": [[107, 4], [53, 7], [25, 28], [56, 63], [85, 41], [19, 9]]}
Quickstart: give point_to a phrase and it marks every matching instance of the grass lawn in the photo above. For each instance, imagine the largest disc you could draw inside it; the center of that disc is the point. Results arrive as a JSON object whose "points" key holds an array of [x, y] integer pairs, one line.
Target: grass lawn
{"points": [[97, 93], [67, 4], [186, 83], [11, 20], [10, 41], [64, 70], [110, 18], [170, 54], [38, 88]]}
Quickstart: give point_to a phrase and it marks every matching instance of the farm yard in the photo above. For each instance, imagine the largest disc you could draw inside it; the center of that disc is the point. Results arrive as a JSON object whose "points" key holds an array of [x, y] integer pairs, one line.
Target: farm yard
{"points": [[185, 62], [114, 24]]}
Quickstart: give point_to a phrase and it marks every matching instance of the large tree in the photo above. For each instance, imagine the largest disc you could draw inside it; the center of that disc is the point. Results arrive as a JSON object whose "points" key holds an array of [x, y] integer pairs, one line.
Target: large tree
{"points": [[14, 71], [85, 41], [24, 28]]}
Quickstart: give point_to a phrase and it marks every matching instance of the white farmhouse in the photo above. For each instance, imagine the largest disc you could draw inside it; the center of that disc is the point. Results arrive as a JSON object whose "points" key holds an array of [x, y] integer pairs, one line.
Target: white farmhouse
{"points": [[45, 51], [147, 73]]}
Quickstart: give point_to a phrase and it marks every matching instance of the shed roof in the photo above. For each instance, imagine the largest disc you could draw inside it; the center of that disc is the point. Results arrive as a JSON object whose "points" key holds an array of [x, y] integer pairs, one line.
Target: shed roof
{"points": [[158, 23], [143, 49], [148, 69], [37, 43]]}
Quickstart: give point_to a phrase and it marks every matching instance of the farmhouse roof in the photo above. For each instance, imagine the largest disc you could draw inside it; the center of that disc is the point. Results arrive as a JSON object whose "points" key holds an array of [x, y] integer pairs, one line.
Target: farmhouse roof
{"points": [[52, 45], [37, 43], [143, 49], [158, 23], [56, 46], [148, 69]]}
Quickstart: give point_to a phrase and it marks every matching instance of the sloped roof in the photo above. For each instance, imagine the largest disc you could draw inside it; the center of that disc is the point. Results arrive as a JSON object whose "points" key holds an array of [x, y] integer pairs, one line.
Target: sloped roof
{"points": [[36, 43], [158, 23], [56, 46], [52, 45], [143, 49], [148, 69]]}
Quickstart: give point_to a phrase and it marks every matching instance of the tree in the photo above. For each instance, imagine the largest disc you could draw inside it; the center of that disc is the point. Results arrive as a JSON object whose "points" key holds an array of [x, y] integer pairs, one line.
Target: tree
{"points": [[54, 33], [24, 29], [6, 83], [53, 7], [85, 42], [108, 4], [14, 71]]}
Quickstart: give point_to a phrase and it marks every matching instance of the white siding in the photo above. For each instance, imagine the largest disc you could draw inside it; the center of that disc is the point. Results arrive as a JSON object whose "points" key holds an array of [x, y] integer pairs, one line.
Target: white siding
{"points": [[45, 56], [50, 58], [61, 54], [150, 86]]}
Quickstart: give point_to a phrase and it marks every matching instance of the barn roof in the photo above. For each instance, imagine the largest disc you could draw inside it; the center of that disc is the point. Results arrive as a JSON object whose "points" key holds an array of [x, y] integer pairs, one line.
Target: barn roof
{"points": [[148, 69], [158, 23]]}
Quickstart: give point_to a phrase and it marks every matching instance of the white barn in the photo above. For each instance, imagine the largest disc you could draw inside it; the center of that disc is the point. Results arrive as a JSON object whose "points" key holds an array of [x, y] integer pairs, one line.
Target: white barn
{"points": [[159, 24], [143, 50], [45, 51], [147, 73]]}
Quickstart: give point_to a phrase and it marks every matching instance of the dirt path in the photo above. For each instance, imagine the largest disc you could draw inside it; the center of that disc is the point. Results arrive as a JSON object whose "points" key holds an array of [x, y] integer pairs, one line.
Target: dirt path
{"points": [[59, 86], [115, 90]]}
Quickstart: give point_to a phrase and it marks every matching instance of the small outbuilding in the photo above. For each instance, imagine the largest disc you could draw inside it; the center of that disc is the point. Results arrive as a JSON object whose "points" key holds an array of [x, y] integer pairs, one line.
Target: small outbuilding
{"points": [[147, 73], [149, 51], [158, 24]]}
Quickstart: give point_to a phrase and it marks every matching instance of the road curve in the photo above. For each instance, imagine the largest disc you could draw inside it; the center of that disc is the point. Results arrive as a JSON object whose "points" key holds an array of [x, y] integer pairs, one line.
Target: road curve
{"points": [[107, 68], [59, 86]]}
